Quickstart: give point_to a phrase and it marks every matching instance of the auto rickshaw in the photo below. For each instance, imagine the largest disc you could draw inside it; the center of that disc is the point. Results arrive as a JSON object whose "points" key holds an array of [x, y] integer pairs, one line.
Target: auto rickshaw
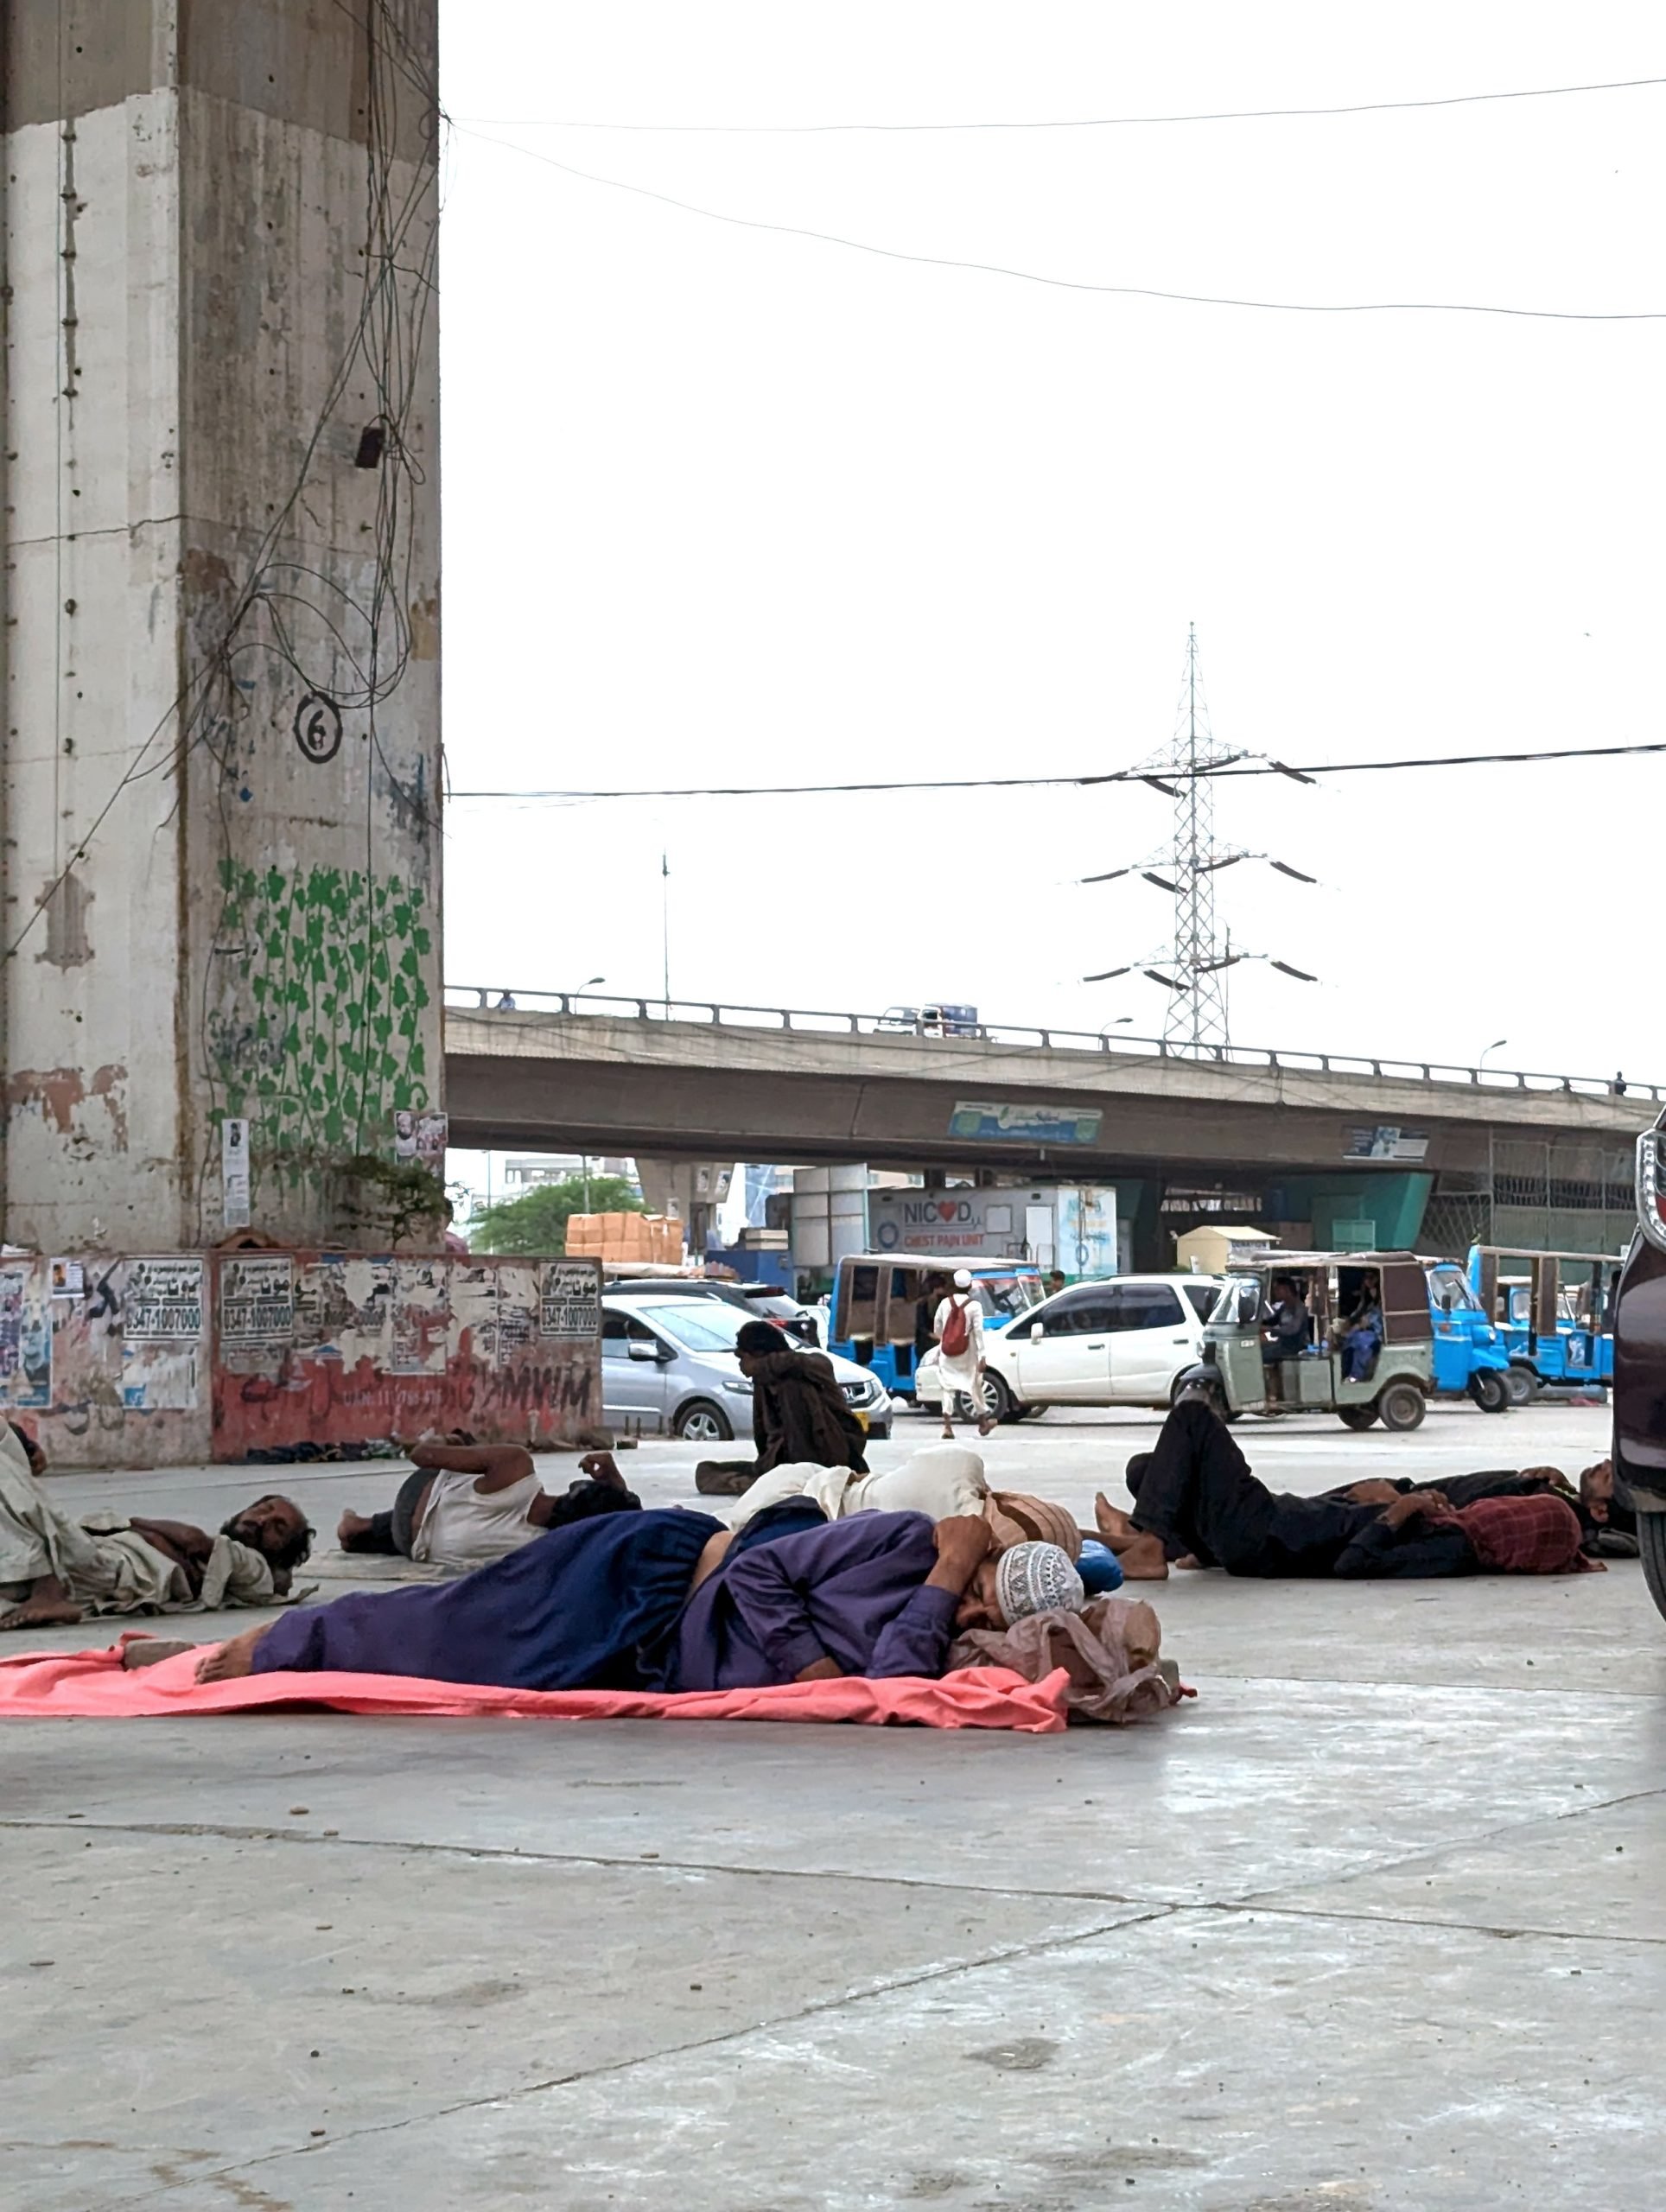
{"points": [[1239, 1374], [1556, 1319], [883, 1304]]}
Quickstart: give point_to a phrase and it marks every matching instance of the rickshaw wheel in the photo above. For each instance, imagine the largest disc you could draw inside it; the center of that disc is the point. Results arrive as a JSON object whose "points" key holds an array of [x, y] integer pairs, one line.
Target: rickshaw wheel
{"points": [[1401, 1406], [1521, 1384], [1356, 1416], [1490, 1391]]}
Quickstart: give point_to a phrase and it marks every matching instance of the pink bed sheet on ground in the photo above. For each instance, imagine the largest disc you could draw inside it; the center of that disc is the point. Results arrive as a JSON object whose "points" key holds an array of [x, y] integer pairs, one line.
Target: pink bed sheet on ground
{"points": [[95, 1686]]}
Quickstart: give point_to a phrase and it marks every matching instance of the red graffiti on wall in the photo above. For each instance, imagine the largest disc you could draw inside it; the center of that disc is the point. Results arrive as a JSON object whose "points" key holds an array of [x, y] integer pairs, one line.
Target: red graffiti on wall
{"points": [[316, 1400]]}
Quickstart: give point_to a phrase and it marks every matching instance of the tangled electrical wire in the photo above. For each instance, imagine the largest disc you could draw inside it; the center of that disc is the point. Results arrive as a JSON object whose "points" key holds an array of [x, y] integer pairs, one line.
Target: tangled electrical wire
{"points": [[348, 645]]}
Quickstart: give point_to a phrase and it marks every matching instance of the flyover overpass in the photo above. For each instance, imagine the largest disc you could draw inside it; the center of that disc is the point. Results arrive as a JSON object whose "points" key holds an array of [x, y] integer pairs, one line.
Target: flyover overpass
{"points": [[567, 1072]]}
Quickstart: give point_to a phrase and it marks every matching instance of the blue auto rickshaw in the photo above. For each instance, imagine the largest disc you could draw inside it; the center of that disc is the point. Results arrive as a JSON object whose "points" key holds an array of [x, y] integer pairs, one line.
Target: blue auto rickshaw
{"points": [[1555, 1319], [1470, 1357], [884, 1304]]}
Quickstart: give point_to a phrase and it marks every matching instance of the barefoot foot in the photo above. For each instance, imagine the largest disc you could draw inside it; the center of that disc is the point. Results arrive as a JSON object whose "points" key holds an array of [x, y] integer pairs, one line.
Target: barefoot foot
{"points": [[229, 1662], [1111, 1522], [42, 1613], [350, 1526], [1143, 1560]]}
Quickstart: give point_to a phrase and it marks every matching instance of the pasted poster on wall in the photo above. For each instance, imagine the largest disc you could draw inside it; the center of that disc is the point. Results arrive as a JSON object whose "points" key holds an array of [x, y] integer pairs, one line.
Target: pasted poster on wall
{"points": [[161, 1377], [517, 1309], [421, 1137], [570, 1299], [25, 1338], [343, 1306], [234, 1172], [257, 1307], [421, 1317], [163, 1301], [474, 1310]]}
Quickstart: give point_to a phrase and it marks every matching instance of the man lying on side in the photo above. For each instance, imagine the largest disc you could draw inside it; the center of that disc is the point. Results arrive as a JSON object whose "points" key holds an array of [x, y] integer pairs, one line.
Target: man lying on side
{"points": [[674, 1600], [1195, 1497]]}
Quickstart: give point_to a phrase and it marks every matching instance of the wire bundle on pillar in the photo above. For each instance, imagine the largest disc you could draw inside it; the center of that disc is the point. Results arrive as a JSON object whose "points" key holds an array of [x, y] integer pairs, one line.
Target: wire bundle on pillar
{"points": [[1192, 967]]}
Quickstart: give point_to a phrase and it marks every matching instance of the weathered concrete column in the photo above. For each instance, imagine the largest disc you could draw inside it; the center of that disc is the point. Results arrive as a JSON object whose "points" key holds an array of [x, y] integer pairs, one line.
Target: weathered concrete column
{"points": [[221, 853]]}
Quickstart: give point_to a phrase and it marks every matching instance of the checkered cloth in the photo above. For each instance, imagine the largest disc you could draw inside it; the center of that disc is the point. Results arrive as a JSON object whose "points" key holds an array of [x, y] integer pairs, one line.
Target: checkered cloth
{"points": [[1525, 1535]]}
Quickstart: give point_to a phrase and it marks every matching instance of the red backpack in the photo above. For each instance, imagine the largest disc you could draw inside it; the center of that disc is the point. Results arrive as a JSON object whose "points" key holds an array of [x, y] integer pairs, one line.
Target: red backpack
{"points": [[956, 1330]]}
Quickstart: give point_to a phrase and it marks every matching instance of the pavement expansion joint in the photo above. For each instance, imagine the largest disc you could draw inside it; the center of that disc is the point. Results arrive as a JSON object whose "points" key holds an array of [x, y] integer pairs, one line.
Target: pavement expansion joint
{"points": [[1505, 1933], [1003, 1954], [632, 1863], [1474, 1840]]}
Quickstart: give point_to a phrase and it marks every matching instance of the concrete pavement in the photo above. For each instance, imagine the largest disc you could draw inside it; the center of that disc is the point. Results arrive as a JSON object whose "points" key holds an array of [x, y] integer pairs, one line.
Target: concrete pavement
{"points": [[1376, 1923]]}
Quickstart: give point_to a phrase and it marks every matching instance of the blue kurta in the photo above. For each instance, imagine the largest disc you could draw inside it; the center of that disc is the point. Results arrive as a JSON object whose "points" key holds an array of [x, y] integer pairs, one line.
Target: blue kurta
{"points": [[572, 1610], [850, 1591]]}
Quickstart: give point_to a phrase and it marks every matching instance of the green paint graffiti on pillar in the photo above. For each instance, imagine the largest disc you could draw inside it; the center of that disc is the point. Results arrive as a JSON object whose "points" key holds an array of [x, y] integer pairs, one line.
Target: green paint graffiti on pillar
{"points": [[325, 1040]]}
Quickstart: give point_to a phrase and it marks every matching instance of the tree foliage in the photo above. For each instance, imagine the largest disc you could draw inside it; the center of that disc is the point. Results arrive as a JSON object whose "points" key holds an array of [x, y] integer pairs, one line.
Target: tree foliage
{"points": [[534, 1225]]}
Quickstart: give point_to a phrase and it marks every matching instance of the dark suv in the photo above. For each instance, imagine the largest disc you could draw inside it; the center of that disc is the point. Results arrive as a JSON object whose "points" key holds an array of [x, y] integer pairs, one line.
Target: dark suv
{"points": [[1640, 1366]]}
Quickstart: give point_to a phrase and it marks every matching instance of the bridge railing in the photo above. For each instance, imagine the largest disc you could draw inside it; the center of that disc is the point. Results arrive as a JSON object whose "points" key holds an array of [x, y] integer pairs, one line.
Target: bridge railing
{"points": [[727, 1014]]}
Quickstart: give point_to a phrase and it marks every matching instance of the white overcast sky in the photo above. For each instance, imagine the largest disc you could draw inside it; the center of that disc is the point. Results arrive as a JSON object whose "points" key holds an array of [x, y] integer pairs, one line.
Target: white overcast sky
{"points": [[729, 507]]}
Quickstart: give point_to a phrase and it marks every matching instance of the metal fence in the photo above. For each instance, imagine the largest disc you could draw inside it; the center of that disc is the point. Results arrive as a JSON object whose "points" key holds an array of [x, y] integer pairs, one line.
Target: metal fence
{"points": [[811, 1022]]}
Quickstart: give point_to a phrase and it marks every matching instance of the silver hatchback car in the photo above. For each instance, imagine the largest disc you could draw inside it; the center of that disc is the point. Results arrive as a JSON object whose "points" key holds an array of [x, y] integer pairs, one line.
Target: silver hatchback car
{"points": [[668, 1367]]}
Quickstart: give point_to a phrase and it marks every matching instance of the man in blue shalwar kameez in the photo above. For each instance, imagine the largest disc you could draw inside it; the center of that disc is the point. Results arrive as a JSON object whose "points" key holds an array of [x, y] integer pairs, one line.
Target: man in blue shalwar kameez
{"points": [[674, 1600]]}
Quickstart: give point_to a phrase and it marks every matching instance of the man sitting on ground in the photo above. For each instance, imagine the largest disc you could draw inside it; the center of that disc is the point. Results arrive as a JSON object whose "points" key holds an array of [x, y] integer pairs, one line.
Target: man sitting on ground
{"points": [[59, 1570], [1195, 1496], [798, 1413], [465, 1503]]}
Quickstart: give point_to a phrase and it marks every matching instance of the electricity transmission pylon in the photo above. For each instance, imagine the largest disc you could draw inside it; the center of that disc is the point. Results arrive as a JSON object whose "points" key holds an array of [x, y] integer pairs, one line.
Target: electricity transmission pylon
{"points": [[1192, 967], [1197, 1009]]}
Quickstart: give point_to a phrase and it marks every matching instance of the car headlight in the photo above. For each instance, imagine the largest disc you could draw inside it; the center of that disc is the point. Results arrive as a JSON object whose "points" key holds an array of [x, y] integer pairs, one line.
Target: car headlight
{"points": [[739, 1388]]}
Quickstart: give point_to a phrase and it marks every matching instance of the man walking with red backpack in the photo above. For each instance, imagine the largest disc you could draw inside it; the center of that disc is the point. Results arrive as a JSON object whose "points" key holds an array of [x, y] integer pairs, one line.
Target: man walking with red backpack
{"points": [[959, 1326]]}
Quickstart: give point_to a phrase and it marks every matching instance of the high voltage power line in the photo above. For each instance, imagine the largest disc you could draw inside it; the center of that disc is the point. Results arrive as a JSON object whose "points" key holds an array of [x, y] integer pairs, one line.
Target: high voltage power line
{"points": [[1074, 122], [1164, 780], [1069, 283]]}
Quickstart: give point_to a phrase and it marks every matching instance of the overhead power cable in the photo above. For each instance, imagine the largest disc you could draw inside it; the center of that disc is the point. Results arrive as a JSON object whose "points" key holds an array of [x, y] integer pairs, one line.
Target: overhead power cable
{"points": [[1111, 776], [1073, 284], [1072, 122]]}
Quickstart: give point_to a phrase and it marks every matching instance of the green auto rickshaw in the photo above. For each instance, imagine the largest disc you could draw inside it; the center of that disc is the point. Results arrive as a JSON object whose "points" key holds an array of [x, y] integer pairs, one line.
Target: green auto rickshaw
{"points": [[1342, 1332]]}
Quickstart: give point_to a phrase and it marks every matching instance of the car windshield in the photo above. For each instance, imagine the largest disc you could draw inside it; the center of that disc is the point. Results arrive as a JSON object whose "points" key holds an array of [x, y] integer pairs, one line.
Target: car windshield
{"points": [[1449, 1290], [1001, 1296], [699, 1324], [1225, 1307]]}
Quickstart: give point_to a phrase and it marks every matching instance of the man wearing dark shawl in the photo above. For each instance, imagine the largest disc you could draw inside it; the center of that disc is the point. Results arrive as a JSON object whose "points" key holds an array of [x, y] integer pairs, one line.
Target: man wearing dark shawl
{"points": [[799, 1411]]}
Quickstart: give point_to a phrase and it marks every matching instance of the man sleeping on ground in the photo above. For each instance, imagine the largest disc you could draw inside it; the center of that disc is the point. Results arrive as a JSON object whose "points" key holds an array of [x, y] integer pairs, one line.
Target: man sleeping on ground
{"points": [[464, 1503], [1196, 1500], [670, 1601]]}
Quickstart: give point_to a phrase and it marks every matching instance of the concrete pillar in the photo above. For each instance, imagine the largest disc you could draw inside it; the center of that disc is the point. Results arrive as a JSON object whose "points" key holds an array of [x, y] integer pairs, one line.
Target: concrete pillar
{"points": [[691, 1189], [221, 854]]}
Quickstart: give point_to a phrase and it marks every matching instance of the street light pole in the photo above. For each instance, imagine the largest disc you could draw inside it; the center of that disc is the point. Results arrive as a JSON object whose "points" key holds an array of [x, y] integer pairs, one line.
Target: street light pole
{"points": [[1497, 1045]]}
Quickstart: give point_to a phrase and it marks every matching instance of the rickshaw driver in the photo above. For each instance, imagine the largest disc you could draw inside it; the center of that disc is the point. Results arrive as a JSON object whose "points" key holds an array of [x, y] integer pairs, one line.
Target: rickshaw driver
{"points": [[1286, 1334]]}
